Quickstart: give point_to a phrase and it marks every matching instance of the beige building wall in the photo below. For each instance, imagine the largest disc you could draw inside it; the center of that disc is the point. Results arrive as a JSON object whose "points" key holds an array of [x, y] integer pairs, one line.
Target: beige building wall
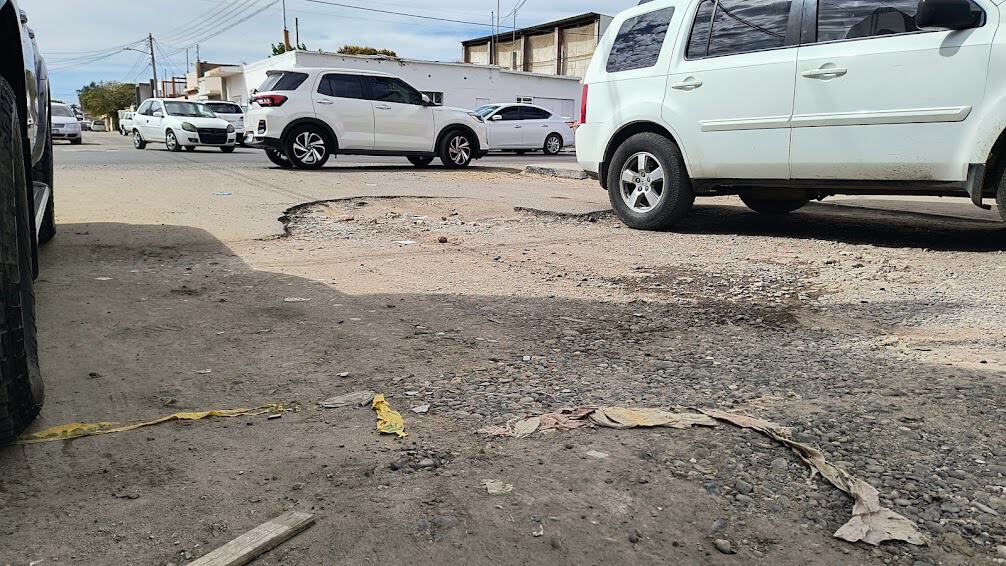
{"points": [[477, 54], [542, 54], [578, 45]]}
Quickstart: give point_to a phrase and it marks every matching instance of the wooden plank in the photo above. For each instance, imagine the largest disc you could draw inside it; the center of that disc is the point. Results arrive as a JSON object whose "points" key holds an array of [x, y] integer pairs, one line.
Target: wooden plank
{"points": [[257, 541]]}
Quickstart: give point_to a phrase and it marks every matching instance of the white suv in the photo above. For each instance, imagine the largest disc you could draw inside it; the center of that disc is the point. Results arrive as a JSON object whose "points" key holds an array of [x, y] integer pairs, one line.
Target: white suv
{"points": [[784, 101], [180, 124], [302, 117]]}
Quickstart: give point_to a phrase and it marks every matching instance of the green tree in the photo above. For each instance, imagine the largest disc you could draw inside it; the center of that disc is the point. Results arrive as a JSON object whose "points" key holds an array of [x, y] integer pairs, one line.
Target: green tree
{"points": [[360, 50], [104, 99], [279, 48]]}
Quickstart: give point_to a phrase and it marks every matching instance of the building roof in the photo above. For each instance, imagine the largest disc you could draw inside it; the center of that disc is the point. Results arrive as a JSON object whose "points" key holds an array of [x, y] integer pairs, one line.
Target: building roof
{"points": [[547, 27]]}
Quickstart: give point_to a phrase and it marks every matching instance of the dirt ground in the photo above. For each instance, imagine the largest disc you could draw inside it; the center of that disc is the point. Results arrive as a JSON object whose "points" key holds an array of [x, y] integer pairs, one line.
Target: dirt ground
{"points": [[180, 283]]}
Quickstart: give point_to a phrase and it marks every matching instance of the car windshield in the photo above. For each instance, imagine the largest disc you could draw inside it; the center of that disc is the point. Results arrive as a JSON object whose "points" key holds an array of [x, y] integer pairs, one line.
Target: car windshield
{"points": [[223, 108], [484, 111], [60, 110], [187, 110]]}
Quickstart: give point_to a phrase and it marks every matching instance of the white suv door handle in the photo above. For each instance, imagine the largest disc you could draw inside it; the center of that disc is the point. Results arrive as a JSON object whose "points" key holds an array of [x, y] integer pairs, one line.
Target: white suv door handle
{"points": [[688, 84], [382, 107], [518, 126], [824, 73], [325, 102]]}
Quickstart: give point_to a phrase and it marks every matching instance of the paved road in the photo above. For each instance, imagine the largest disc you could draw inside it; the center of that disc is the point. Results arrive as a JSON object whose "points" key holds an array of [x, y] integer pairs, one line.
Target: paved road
{"points": [[98, 145]]}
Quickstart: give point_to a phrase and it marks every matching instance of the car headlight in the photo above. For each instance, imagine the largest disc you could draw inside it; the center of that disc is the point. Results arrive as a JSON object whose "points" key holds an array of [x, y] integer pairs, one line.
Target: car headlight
{"points": [[230, 129], [189, 127]]}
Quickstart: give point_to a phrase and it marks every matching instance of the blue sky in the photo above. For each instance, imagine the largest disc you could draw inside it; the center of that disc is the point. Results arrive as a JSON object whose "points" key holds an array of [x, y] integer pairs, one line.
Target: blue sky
{"points": [[82, 40]]}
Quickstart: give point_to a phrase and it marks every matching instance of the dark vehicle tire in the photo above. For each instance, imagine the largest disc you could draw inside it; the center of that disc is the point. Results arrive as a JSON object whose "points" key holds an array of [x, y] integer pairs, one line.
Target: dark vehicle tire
{"points": [[138, 141], [648, 185], [521, 152], [553, 144], [21, 391], [308, 147], [421, 161], [1001, 196], [171, 141], [190, 148], [77, 141], [42, 172], [456, 150], [278, 159], [774, 206], [228, 149]]}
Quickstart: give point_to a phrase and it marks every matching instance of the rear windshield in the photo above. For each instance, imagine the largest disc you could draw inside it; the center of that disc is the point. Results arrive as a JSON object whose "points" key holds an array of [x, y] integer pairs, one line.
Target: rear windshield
{"points": [[285, 80], [60, 110], [223, 108]]}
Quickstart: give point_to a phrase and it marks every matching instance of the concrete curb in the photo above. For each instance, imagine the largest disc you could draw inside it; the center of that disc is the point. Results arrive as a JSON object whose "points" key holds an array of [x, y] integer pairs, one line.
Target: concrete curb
{"points": [[561, 173]]}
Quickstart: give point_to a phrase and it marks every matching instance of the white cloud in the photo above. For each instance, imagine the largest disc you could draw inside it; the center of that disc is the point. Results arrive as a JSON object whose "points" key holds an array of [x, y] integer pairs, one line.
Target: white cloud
{"points": [[66, 28]]}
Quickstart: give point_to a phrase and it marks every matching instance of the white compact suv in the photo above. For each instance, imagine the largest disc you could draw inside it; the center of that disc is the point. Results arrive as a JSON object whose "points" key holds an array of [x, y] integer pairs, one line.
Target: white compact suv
{"points": [[525, 127], [302, 117], [783, 101], [180, 124]]}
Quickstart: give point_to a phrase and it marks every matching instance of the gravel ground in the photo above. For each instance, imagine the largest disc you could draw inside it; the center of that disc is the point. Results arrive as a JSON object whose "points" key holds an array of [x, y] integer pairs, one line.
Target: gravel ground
{"points": [[875, 335]]}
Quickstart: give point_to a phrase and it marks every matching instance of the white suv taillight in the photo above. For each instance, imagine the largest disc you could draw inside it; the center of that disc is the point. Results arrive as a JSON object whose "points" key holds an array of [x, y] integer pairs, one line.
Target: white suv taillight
{"points": [[269, 100], [583, 105]]}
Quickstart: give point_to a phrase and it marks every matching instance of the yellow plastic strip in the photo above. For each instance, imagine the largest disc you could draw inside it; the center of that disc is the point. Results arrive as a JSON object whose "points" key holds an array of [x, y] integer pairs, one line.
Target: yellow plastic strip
{"points": [[389, 421], [79, 430]]}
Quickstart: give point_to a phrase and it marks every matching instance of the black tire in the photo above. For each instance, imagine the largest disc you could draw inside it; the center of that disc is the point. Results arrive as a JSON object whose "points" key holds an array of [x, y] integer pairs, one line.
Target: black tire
{"points": [[42, 172], [227, 149], [138, 141], [190, 148], [278, 159], [673, 193], [521, 152], [421, 161], [171, 141], [77, 141], [308, 147], [456, 150], [553, 144], [21, 391], [774, 206]]}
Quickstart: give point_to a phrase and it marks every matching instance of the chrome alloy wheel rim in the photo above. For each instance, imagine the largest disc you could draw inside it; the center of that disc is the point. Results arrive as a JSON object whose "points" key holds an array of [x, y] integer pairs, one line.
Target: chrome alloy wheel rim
{"points": [[137, 139], [554, 145], [460, 150], [171, 142], [309, 148], [642, 182]]}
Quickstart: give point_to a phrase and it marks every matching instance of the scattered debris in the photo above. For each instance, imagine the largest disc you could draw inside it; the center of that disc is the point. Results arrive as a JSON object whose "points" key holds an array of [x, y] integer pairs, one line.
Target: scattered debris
{"points": [[538, 531], [204, 371], [79, 430], [275, 416], [343, 374], [389, 421], [356, 399], [421, 409], [724, 546], [442, 239], [405, 242], [566, 419], [295, 300], [257, 541], [597, 454], [222, 194], [497, 487], [102, 278], [621, 417]]}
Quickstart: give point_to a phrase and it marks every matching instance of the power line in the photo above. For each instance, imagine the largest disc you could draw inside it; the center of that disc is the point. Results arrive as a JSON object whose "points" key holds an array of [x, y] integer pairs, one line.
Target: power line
{"points": [[231, 10], [217, 32]]}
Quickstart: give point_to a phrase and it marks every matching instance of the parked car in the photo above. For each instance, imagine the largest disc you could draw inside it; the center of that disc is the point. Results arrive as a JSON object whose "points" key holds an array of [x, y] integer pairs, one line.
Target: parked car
{"points": [[525, 127], [85, 124], [302, 117], [784, 102], [26, 213], [98, 126], [65, 125], [180, 124], [230, 112], [125, 122]]}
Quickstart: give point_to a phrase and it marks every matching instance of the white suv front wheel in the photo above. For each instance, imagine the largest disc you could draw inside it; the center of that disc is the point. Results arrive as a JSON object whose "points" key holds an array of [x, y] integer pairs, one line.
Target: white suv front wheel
{"points": [[307, 147], [648, 185], [456, 150]]}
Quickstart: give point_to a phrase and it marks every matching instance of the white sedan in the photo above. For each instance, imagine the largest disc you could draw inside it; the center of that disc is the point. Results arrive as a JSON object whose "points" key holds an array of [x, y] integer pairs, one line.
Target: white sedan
{"points": [[181, 124], [525, 127]]}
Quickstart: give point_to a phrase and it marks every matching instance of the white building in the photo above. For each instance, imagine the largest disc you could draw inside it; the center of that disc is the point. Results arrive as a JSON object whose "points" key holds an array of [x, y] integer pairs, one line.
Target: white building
{"points": [[452, 84]]}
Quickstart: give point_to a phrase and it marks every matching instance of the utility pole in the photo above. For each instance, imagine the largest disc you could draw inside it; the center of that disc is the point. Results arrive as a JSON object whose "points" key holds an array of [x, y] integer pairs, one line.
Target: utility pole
{"points": [[492, 41], [197, 61], [513, 42], [296, 28], [286, 32], [153, 62]]}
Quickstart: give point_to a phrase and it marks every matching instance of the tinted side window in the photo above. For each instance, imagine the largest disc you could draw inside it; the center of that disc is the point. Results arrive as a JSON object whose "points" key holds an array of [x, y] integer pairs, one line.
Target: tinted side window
{"points": [[510, 113], [743, 26], [698, 41], [852, 19], [536, 113], [342, 86], [639, 40], [386, 89]]}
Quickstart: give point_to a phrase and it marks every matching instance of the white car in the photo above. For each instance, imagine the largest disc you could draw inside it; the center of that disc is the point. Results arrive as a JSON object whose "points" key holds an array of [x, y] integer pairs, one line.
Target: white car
{"points": [[783, 102], [229, 111], [65, 125], [525, 127], [126, 123], [302, 117], [180, 124]]}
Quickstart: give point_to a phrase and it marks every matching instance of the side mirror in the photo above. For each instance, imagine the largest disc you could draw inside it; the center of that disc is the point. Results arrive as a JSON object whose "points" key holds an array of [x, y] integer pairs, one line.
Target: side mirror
{"points": [[427, 101], [158, 114], [496, 118], [947, 14]]}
